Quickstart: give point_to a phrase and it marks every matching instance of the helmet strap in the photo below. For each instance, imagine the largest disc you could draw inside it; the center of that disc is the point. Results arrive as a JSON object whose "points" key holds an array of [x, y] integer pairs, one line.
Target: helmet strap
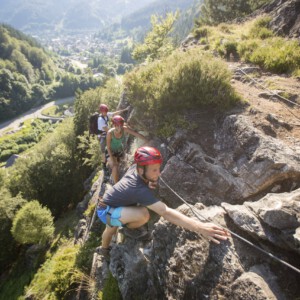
{"points": [[144, 174]]}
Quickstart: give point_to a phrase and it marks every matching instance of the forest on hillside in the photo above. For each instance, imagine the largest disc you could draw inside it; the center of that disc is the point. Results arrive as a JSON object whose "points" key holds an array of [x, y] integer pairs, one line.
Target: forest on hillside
{"points": [[30, 76]]}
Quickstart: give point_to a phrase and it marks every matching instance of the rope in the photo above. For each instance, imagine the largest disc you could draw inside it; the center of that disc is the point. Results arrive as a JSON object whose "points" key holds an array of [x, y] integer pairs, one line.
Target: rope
{"points": [[274, 94], [198, 216]]}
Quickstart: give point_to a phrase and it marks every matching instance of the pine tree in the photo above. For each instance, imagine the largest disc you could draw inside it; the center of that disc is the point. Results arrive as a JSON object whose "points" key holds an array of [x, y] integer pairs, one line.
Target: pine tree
{"points": [[215, 12], [157, 42]]}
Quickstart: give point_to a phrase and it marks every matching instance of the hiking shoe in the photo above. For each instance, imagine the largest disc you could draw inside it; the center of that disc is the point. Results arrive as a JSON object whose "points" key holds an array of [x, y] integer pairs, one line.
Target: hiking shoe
{"points": [[139, 234], [105, 252]]}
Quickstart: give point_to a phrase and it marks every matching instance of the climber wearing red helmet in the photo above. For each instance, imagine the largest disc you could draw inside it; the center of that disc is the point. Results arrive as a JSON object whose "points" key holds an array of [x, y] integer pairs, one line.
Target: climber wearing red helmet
{"points": [[115, 143], [126, 204], [103, 120]]}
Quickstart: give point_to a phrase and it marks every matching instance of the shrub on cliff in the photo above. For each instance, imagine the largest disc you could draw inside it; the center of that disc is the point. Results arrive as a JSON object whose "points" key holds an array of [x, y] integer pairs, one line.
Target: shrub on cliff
{"points": [[163, 90]]}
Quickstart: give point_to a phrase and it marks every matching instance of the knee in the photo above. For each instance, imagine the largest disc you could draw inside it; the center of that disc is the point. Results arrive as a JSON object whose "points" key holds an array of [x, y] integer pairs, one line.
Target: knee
{"points": [[145, 214]]}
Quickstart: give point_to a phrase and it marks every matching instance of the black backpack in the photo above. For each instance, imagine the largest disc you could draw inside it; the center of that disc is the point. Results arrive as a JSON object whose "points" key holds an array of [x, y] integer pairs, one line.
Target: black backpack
{"points": [[93, 123]]}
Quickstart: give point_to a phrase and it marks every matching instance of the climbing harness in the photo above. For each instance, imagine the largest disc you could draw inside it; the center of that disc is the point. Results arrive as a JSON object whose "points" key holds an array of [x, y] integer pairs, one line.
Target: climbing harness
{"points": [[199, 216]]}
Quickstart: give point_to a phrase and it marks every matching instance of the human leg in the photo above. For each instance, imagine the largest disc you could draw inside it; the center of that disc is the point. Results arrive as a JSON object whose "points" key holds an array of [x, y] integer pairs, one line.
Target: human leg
{"points": [[107, 236], [114, 165], [134, 216], [102, 148]]}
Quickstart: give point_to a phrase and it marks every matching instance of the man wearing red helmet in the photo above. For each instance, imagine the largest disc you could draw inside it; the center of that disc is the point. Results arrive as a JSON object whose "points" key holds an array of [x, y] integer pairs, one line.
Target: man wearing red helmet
{"points": [[103, 119], [126, 204], [115, 144]]}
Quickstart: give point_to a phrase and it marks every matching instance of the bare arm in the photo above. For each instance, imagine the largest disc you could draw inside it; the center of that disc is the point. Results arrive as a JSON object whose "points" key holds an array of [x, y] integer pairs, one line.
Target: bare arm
{"points": [[120, 111], [108, 143], [209, 230], [134, 133]]}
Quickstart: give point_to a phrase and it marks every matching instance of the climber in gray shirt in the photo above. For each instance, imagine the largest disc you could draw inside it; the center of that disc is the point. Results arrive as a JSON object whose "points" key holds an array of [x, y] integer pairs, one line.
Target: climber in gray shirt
{"points": [[126, 204]]}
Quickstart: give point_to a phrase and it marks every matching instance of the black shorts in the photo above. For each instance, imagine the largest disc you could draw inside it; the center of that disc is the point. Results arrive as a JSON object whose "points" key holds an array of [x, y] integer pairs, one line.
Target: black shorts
{"points": [[118, 155]]}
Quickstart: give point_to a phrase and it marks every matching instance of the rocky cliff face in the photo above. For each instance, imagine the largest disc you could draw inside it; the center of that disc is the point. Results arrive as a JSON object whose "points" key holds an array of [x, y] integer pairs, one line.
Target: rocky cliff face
{"points": [[240, 170], [239, 177], [286, 17]]}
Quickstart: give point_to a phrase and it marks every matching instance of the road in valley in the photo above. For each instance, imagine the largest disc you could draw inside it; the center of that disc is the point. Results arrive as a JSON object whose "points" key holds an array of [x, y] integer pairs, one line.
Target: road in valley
{"points": [[32, 113]]}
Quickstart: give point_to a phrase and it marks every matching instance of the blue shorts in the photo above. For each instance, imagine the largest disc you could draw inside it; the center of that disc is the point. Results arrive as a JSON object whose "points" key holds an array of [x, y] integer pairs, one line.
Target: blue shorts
{"points": [[114, 218]]}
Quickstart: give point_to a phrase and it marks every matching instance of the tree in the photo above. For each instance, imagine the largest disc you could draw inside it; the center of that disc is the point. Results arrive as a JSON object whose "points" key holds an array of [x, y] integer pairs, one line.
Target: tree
{"points": [[52, 172], [2, 177], [39, 92], [33, 224], [37, 57], [215, 12], [8, 207], [157, 42], [6, 79], [23, 65], [126, 57]]}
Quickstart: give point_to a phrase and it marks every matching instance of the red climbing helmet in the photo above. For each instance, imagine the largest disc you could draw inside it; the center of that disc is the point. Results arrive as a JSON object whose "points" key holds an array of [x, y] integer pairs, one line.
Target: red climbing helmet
{"points": [[147, 156], [103, 108], [118, 121]]}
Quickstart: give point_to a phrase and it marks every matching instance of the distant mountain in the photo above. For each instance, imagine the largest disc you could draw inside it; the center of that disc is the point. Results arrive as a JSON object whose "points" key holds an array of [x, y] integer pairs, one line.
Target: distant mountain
{"points": [[33, 16], [138, 23], [142, 16]]}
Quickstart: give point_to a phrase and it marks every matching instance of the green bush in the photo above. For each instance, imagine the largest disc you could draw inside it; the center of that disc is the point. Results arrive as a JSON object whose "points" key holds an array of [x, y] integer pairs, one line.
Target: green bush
{"points": [[227, 47], [23, 147], [225, 28], [52, 171], [55, 277], [25, 138], [8, 207], [264, 33], [274, 54], [6, 154], [33, 224], [111, 289], [84, 258], [200, 32], [260, 28], [181, 82], [246, 48]]}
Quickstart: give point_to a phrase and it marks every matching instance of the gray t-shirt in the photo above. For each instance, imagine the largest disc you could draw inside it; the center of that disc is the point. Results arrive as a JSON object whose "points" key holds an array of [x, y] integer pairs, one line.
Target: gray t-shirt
{"points": [[130, 190]]}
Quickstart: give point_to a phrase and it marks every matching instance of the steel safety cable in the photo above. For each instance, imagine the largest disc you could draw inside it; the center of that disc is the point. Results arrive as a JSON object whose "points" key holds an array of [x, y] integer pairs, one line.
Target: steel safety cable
{"points": [[199, 216], [274, 94]]}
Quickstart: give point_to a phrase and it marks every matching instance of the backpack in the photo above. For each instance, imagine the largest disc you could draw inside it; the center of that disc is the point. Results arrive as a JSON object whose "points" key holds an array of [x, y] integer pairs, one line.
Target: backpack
{"points": [[93, 123]]}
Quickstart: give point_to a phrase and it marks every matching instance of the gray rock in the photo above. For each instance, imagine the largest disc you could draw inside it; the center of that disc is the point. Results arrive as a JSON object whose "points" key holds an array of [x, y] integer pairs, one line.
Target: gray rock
{"points": [[281, 211], [259, 281], [245, 219]]}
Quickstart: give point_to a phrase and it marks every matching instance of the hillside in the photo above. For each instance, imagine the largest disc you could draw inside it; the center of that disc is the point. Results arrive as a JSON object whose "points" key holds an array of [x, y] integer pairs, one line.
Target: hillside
{"points": [[31, 76], [142, 16], [27, 72], [66, 15], [136, 24]]}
